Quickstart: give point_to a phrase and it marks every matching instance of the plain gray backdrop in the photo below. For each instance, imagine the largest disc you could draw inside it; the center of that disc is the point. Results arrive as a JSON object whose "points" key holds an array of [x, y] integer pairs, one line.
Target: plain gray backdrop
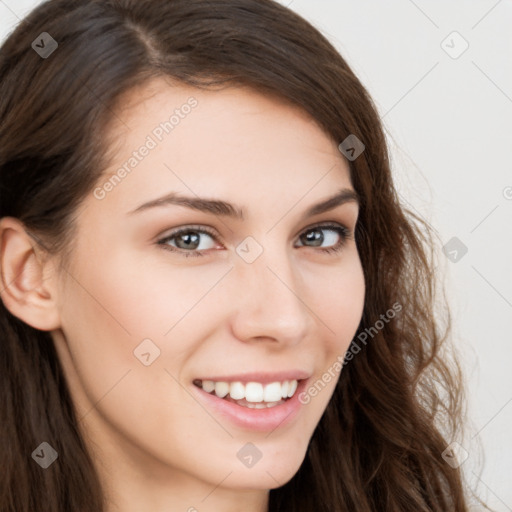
{"points": [[440, 74]]}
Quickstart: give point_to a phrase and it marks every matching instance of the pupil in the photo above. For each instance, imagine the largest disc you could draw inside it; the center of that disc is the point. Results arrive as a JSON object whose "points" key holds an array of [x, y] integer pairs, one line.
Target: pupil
{"points": [[315, 236], [190, 240]]}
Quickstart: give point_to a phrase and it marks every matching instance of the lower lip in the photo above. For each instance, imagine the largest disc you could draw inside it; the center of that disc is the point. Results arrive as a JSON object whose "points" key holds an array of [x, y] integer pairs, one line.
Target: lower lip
{"points": [[262, 420]]}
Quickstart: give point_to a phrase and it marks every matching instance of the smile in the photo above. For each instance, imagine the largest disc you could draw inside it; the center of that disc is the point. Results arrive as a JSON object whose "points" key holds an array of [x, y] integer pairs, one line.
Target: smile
{"points": [[254, 395], [252, 405]]}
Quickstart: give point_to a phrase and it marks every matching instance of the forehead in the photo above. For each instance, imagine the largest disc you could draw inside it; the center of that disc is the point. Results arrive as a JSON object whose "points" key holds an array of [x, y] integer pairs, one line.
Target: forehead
{"points": [[209, 142]]}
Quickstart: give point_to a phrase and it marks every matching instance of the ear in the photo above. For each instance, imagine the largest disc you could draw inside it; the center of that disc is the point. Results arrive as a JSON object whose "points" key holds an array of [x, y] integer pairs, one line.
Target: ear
{"points": [[26, 277]]}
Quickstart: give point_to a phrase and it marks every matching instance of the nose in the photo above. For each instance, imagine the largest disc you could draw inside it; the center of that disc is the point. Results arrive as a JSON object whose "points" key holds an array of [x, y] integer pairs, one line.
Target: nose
{"points": [[271, 301]]}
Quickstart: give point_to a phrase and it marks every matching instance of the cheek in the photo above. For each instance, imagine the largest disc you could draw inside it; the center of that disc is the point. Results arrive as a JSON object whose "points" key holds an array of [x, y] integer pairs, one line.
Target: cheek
{"points": [[151, 295], [104, 319], [131, 295], [122, 307], [338, 297], [98, 345], [341, 307]]}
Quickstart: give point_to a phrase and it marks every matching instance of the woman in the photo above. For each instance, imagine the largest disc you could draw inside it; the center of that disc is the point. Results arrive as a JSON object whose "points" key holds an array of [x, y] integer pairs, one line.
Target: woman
{"points": [[211, 296]]}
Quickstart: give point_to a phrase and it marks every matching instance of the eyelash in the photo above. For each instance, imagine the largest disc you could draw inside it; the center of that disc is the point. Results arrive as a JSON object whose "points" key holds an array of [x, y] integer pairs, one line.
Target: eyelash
{"points": [[344, 232]]}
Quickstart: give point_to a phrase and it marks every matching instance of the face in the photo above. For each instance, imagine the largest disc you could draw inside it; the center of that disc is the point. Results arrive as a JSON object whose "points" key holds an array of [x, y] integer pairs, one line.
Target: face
{"points": [[160, 300]]}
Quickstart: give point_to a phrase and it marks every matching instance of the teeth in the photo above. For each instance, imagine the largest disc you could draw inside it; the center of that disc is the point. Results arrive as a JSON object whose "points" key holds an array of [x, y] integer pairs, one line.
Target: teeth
{"points": [[221, 389], [236, 391], [284, 389], [292, 388], [253, 392], [208, 385], [256, 406], [272, 392], [261, 405]]}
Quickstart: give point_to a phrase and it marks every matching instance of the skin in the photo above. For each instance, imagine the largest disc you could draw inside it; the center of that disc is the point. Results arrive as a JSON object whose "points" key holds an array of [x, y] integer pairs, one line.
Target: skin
{"points": [[156, 448]]}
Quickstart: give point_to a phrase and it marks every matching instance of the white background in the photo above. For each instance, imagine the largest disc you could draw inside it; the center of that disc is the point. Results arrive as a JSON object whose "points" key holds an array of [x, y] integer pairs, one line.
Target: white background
{"points": [[449, 125]]}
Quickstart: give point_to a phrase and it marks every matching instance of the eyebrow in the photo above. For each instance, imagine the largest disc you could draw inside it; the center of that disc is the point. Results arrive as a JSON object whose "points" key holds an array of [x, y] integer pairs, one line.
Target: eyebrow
{"points": [[223, 208]]}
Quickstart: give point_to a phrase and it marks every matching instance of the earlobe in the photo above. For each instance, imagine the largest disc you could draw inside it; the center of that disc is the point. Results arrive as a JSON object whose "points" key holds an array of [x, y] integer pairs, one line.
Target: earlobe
{"points": [[25, 289]]}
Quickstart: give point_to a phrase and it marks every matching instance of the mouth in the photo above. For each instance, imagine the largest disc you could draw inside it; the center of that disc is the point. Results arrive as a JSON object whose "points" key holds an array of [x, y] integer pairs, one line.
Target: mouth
{"points": [[252, 394]]}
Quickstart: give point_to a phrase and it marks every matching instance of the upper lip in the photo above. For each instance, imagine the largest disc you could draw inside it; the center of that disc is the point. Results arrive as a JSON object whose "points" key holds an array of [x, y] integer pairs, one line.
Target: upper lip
{"points": [[263, 377]]}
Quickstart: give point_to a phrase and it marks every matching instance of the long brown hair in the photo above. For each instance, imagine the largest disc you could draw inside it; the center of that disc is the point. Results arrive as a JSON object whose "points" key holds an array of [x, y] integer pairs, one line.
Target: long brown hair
{"points": [[397, 405]]}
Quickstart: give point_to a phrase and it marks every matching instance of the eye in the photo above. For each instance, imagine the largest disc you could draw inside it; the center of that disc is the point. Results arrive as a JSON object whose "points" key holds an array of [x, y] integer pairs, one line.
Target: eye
{"points": [[314, 235], [187, 241]]}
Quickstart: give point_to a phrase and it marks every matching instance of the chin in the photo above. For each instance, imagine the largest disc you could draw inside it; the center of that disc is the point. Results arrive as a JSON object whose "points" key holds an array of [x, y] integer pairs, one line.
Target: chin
{"points": [[269, 474]]}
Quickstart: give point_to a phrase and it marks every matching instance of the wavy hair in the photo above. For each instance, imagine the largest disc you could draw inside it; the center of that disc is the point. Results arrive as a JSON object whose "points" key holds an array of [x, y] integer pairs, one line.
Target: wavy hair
{"points": [[398, 402]]}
